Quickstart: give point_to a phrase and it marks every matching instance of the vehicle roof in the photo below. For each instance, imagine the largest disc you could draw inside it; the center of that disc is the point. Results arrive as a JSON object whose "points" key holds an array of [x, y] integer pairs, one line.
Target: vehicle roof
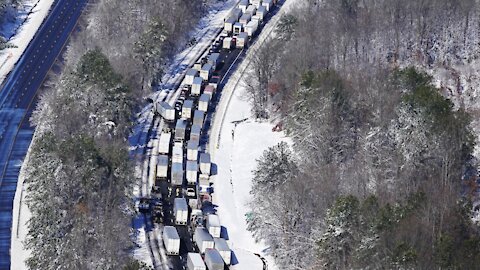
{"points": [[171, 232]]}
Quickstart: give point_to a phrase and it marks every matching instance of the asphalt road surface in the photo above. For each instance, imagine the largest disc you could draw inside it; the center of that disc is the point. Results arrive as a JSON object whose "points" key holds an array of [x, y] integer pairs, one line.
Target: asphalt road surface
{"points": [[18, 99]]}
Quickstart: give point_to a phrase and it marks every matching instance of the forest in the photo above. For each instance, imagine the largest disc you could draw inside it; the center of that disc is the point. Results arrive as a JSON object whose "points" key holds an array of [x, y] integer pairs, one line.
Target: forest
{"points": [[382, 171], [80, 175]]}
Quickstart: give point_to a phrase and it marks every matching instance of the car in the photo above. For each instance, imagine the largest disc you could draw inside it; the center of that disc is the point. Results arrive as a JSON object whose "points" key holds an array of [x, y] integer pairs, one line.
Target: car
{"points": [[190, 192], [144, 205]]}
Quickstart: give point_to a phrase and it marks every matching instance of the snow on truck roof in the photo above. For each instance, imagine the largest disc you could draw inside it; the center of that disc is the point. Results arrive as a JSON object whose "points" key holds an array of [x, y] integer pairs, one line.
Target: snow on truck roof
{"points": [[170, 232]]}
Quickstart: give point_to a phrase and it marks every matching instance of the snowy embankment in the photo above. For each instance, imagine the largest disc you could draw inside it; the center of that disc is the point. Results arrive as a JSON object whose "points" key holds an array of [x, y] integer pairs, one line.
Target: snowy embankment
{"points": [[28, 20], [234, 149]]}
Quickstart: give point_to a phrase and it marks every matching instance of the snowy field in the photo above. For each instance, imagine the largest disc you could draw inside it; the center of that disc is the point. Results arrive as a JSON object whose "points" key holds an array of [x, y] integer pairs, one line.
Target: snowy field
{"points": [[28, 20], [235, 159]]}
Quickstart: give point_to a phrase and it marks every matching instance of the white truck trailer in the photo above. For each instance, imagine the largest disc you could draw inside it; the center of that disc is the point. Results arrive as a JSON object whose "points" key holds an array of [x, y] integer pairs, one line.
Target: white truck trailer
{"points": [[205, 163], [190, 75], [222, 247], [197, 86], [203, 239], [195, 132], [192, 150], [195, 262], [228, 43], [177, 174], [251, 27], [177, 153], [192, 172], [166, 111], [209, 90], [268, 4], [242, 40], [251, 9], [162, 166], [180, 209], [237, 28], [206, 71], [198, 117], [235, 13], [213, 59], [243, 5], [187, 109], [164, 143], [180, 130], [228, 24], [245, 19], [213, 225], [261, 12], [171, 240], [213, 260], [203, 102], [203, 182]]}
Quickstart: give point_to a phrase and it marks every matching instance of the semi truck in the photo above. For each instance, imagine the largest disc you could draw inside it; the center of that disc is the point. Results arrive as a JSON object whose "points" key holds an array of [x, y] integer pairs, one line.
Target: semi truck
{"points": [[187, 109], [171, 240], [195, 133], [192, 172], [180, 209], [213, 260], [195, 262], [206, 71], [203, 101], [242, 40], [177, 174], [164, 143], [192, 150], [180, 130], [197, 86], [191, 74], [166, 111], [251, 27], [222, 247], [213, 225], [198, 117], [205, 163], [203, 239], [162, 166]]}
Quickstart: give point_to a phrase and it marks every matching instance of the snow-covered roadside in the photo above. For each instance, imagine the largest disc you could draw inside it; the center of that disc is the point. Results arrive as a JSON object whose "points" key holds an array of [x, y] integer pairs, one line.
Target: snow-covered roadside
{"points": [[21, 214], [31, 17], [234, 149]]}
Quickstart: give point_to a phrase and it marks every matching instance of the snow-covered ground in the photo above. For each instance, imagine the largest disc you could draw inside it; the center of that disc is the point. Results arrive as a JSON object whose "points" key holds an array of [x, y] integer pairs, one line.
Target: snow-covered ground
{"points": [[29, 18], [235, 159]]}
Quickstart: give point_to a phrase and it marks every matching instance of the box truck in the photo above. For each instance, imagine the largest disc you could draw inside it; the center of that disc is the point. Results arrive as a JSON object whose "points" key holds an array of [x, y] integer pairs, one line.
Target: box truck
{"points": [[180, 130], [192, 172], [197, 86], [162, 166], [171, 240], [222, 247], [177, 174], [203, 101], [164, 143], [195, 132], [187, 109], [205, 163], [191, 74], [203, 239], [192, 150], [195, 262], [198, 117], [180, 209], [166, 111], [213, 260], [213, 225]]}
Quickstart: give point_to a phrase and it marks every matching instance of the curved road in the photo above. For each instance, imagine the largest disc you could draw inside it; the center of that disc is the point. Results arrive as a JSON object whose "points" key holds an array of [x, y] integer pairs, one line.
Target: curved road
{"points": [[17, 100]]}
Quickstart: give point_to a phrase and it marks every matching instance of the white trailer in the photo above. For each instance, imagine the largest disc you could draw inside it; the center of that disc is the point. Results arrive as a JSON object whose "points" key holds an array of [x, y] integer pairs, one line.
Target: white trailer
{"points": [[162, 166], [192, 172], [213, 225], [256, 3], [203, 239], [251, 9], [251, 27], [195, 262], [213, 60], [203, 102], [191, 74], [197, 86], [205, 164], [180, 209], [245, 19], [213, 260], [195, 132], [228, 24], [235, 13], [227, 42], [177, 152], [187, 109], [268, 4], [192, 150], [164, 143], [177, 174], [242, 40], [222, 247], [171, 240], [209, 90], [243, 5], [180, 130], [203, 182], [237, 28], [198, 117], [206, 71], [166, 111], [261, 12]]}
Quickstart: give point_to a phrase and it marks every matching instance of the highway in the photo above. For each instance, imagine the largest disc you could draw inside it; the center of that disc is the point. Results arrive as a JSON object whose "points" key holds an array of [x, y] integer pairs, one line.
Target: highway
{"points": [[18, 99]]}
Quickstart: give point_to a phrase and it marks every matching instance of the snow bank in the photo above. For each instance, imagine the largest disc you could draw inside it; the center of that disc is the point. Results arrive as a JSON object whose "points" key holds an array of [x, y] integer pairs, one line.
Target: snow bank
{"points": [[31, 17]]}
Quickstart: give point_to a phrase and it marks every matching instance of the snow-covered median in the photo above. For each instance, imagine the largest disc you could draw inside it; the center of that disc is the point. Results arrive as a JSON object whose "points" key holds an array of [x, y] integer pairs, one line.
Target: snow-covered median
{"points": [[30, 18]]}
